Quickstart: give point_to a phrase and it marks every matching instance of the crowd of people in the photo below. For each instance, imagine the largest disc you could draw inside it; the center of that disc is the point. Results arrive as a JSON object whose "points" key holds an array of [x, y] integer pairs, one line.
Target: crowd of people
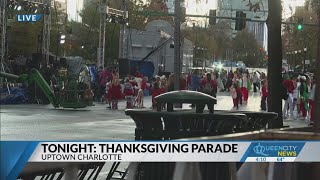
{"points": [[299, 96], [298, 92], [133, 88]]}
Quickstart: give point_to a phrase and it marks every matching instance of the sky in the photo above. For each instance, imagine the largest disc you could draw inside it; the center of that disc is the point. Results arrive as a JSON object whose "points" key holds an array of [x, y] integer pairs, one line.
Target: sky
{"points": [[192, 7]]}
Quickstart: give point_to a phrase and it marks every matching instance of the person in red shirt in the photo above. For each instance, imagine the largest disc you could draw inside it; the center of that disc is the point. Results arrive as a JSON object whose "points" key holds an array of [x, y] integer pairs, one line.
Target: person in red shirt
{"points": [[264, 95], [144, 83], [115, 91], [209, 86], [139, 75], [289, 85]]}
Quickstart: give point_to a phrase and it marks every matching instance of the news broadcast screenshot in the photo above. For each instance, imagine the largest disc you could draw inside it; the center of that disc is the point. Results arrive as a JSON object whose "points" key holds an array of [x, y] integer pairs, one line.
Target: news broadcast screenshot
{"points": [[160, 89]]}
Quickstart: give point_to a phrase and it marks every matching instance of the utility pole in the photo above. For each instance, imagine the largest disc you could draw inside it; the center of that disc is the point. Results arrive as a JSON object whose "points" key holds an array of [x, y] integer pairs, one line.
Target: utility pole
{"points": [[177, 44], [274, 61]]}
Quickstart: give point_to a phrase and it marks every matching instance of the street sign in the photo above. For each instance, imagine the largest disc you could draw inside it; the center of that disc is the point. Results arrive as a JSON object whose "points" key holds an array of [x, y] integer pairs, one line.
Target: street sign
{"points": [[153, 13], [307, 61]]}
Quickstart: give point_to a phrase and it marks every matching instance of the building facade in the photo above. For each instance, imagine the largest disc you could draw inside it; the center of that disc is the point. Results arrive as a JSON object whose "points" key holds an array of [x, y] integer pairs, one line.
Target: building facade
{"points": [[228, 8], [141, 43]]}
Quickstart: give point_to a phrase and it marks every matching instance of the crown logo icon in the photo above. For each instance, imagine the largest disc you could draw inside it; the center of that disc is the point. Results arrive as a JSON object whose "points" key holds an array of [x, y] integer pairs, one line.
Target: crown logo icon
{"points": [[259, 149]]}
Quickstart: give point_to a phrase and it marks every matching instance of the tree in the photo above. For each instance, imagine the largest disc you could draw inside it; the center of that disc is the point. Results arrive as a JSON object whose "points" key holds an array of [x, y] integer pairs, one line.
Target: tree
{"points": [[246, 48], [294, 39], [136, 21], [87, 34], [221, 34]]}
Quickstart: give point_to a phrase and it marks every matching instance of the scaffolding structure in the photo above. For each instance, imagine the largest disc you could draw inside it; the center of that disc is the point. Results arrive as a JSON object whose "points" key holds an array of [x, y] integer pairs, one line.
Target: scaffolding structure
{"points": [[123, 47], [45, 44], [3, 31], [45, 48], [107, 13]]}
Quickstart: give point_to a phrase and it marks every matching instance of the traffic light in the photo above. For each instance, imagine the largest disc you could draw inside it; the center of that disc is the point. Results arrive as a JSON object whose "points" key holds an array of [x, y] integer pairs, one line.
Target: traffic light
{"points": [[300, 24], [212, 18], [240, 20]]}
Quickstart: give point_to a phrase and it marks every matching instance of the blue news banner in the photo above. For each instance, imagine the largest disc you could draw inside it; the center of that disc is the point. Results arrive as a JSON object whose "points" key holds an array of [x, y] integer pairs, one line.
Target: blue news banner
{"points": [[16, 154]]}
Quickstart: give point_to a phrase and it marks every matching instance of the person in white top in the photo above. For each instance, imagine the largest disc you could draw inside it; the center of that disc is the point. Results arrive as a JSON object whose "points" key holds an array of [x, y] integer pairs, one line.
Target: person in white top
{"points": [[311, 102], [244, 88], [295, 95]]}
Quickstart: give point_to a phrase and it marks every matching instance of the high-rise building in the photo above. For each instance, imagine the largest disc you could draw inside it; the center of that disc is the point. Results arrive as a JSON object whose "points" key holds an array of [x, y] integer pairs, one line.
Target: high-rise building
{"points": [[228, 8], [86, 2], [61, 6]]}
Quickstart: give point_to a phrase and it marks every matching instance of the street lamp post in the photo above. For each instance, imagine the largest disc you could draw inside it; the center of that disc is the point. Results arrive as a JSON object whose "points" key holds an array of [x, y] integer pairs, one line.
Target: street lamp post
{"points": [[177, 42], [305, 57], [289, 60], [300, 57], [295, 58]]}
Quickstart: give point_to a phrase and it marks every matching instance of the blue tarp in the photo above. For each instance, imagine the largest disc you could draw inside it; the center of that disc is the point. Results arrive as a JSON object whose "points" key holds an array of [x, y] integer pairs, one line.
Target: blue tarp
{"points": [[93, 73], [16, 96], [146, 68]]}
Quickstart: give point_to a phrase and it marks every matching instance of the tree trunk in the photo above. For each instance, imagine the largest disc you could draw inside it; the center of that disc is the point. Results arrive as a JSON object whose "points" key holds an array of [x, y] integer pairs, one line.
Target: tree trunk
{"points": [[317, 75], [275, 61]]}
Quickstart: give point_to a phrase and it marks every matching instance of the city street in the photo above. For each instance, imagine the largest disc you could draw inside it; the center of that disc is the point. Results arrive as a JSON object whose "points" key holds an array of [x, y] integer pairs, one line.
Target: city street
{"points": [[43, 122]]}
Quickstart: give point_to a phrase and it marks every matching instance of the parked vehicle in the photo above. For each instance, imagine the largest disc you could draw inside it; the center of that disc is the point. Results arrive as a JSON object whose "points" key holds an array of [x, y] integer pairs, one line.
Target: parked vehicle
{"points": [[241, 65]]}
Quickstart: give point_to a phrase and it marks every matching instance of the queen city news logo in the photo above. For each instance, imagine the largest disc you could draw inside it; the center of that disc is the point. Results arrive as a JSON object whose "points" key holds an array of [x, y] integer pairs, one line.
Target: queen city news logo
{"points": [[275, 150]]}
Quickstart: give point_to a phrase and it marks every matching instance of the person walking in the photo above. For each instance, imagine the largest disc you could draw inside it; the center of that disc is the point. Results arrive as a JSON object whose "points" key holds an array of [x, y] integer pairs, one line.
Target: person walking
{"points": [[264, 95], [233, 92], [311, 102], [209, 86], [255, 80], [289, 87], [244, 88], [195, 81], [304, 97], [295, 97]]}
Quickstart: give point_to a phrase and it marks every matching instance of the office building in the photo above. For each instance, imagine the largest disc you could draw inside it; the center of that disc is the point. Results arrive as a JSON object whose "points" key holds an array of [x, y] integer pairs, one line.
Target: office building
{"points": [[228, 8]]}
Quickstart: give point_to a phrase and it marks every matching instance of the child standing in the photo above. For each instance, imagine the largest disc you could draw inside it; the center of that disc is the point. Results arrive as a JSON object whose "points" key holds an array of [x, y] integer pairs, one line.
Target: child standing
{"points": [[128, 92], [115, 93], [233, 92], [108, 93], [239, 92], [155, 92], [264, 95]]}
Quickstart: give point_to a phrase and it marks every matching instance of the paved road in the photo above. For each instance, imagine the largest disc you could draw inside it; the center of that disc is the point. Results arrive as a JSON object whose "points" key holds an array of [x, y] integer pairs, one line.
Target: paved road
{"points": [[43, 122]]}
